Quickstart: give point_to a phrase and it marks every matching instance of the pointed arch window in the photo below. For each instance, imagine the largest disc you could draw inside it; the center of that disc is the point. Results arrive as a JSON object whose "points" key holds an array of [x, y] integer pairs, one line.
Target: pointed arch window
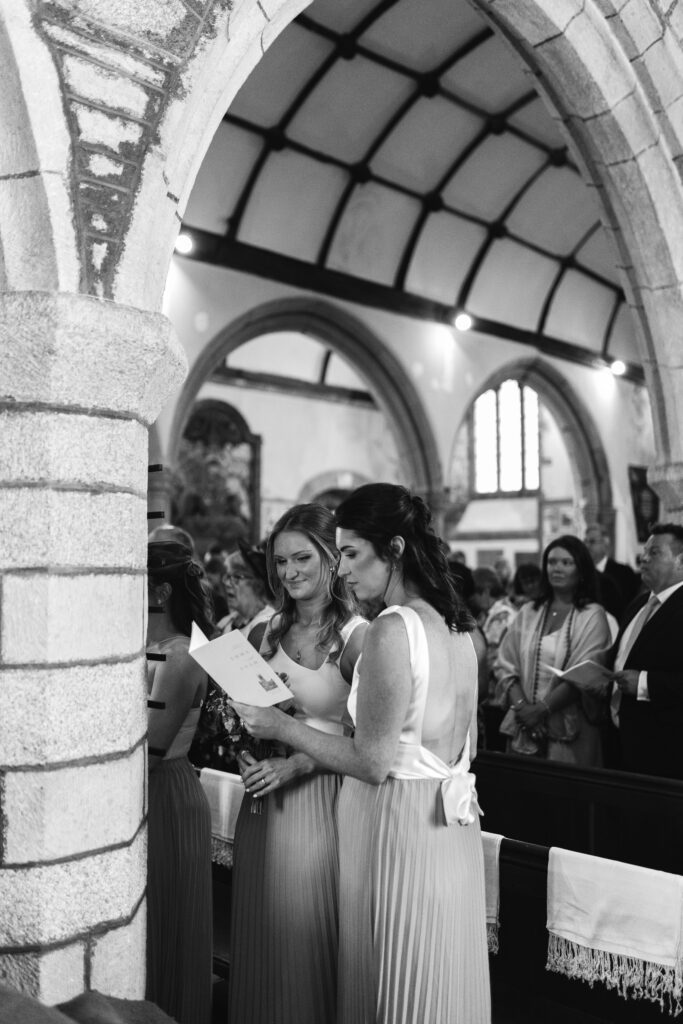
{"points": [[505, 436]]}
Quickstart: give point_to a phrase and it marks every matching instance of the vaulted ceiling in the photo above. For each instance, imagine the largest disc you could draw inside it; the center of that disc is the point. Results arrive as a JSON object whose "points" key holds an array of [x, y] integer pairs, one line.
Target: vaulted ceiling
{"points": [[395, 152]]}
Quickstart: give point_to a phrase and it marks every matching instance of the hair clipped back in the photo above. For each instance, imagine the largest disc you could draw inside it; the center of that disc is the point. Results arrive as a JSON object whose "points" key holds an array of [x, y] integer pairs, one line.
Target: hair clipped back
{"points": [[378, 512], [190, 600]]}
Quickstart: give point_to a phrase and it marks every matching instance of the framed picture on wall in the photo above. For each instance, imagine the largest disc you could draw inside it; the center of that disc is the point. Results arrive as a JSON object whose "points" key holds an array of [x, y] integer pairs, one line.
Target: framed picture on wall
{"points": [[645, 502], [557, 517]]}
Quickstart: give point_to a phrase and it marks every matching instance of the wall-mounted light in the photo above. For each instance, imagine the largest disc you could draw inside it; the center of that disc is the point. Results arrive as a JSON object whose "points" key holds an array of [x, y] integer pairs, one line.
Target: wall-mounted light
{"points": [[184, 244], [618, 367], [462, 322]]}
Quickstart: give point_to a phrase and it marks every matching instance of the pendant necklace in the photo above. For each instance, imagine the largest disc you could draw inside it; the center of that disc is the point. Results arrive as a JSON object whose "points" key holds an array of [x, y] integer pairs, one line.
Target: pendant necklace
{"points": [[298, 656]]}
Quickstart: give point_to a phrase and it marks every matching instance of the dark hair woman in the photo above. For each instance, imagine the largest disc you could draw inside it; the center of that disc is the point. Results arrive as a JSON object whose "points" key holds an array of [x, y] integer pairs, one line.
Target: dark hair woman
{"points": [[412, 915], [285, 888], [179, 935], [562, 627]]}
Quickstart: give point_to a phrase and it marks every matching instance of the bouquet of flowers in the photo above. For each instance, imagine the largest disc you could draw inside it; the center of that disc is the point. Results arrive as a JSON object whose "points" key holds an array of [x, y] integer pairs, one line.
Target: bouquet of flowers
{"points": [[220, 726], [220, 722]]}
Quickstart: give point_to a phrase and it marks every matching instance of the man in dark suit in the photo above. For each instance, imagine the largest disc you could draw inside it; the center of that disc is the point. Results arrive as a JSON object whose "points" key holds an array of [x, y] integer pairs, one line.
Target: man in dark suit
{"points": [[619, 584], [648, 662]]}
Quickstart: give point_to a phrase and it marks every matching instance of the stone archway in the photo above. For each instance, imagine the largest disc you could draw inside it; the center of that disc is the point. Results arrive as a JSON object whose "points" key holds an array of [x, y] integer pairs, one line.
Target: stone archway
{"points": [[613, 80], [391, 386]]}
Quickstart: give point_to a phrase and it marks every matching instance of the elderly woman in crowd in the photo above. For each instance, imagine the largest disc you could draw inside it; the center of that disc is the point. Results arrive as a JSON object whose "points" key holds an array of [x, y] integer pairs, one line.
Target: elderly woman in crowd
{"points": [[247, 591], [548, 716]]}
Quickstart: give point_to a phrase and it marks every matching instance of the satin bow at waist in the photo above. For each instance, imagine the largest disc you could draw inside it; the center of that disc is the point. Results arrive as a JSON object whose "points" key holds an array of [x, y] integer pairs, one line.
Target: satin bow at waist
{"points": [[458, 786]]}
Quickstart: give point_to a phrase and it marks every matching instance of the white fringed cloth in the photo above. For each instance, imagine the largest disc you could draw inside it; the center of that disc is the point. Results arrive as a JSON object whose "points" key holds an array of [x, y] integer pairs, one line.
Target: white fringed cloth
{"points": [[618, 924], [491, 842], [224, 791]]}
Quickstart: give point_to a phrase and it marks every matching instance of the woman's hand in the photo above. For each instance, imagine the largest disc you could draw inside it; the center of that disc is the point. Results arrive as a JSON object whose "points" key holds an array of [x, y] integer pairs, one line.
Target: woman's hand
{"points": [[261, 777], [263, 723], [532, 716]]}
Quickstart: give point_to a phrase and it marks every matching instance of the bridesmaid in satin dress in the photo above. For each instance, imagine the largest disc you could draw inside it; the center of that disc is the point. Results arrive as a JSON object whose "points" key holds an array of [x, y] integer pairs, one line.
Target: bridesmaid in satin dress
{"points": [[412, 944]]}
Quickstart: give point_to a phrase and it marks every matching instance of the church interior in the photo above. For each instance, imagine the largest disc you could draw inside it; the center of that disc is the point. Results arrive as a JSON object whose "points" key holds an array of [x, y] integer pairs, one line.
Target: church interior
{"points": [[259, 253]]}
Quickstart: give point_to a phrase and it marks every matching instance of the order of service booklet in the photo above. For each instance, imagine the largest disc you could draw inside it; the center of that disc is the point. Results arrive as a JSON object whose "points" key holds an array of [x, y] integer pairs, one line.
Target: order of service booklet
{"points": [[238, 668], [586, 672]]}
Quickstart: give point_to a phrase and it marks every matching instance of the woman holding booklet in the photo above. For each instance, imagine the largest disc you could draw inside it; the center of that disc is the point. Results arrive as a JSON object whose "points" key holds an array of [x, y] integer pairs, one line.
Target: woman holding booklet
{"points": [[286, 877], [551, 715]]}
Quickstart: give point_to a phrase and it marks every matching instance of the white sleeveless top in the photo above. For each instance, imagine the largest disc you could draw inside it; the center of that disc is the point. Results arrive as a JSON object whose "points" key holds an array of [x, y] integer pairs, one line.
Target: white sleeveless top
{"points": [[320, 694], [413, 760], [182, 741]]}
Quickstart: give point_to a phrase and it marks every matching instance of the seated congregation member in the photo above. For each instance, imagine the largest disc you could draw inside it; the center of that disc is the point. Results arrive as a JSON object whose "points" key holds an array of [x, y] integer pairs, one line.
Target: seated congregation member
{"points": [[548, 717], [412, 910], [285, 876], [648, 662], [179, 908], [247, 590]]}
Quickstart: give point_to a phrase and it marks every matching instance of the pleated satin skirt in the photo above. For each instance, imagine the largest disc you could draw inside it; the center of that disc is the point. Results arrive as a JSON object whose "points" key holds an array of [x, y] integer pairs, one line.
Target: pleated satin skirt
{"points": [[179, 904], [283, 967], [412, 909]]}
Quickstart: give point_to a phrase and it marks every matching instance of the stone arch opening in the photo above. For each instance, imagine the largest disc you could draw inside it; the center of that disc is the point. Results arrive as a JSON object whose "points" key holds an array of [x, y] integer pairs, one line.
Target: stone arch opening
{"points": [[390, 384]]}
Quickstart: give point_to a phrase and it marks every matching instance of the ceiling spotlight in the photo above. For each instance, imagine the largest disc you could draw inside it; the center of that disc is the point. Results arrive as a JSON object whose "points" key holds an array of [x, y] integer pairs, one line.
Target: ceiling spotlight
{"points": [[183, 244], [618, 367], [462, 322]]}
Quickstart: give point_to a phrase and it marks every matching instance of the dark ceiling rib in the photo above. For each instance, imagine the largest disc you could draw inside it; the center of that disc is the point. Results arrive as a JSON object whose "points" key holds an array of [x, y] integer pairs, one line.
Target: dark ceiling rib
{"points": [[611, 321], [275, 137], [433, 201], [325, 365], [292, 386], [569, 262], [425, 200], [496, 229], [219, 251]]}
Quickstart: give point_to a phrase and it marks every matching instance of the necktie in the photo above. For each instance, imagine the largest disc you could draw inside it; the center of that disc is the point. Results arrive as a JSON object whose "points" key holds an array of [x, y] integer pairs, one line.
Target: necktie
{"points": [[639, 620], [637, 623]]}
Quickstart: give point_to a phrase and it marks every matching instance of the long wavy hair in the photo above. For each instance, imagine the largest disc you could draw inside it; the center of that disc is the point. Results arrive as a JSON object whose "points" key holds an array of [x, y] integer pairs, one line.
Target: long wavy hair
{"points": [[587, 587], [378, 512], [190, 600], [317, 523]]}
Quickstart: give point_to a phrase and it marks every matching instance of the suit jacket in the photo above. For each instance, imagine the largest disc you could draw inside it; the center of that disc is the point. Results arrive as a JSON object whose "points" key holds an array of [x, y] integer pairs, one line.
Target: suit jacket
{"points": [[620, 584], [651, 732]]}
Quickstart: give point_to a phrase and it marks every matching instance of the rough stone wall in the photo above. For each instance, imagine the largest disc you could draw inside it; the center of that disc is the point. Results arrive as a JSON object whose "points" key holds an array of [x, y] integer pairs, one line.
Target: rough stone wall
{"points": [[81, 380]]}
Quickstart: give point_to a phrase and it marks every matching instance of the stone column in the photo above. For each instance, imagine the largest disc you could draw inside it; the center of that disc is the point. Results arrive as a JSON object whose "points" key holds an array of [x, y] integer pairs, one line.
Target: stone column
{"points": [[81, 380]]}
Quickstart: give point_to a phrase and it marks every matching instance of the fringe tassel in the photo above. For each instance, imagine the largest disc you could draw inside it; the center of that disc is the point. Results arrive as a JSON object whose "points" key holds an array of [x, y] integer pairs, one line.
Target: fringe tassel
{"points": [[492, 936], [631, 977], [221, 852]]}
